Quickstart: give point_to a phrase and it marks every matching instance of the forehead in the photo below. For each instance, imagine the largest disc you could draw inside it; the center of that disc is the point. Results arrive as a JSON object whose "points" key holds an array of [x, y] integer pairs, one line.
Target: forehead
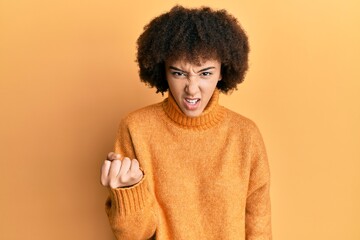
{"points": [[197, 56], [182, 62]]}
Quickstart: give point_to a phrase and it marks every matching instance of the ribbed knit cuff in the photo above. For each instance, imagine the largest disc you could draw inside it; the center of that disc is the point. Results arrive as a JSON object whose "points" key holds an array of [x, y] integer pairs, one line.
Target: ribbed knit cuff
{"points": [[127, 201]]}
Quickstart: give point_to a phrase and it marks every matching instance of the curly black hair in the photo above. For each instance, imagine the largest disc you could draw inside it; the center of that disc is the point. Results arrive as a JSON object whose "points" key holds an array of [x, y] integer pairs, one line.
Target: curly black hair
{"points": [[193, 35]]}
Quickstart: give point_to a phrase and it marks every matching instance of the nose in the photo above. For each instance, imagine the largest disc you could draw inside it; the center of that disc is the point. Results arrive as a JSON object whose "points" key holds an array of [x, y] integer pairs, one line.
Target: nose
{"points": [[192, 86]]}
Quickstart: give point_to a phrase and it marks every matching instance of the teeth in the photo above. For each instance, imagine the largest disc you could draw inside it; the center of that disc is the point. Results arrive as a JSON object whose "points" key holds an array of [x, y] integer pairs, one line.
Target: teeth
{"points": [[192, 101]]}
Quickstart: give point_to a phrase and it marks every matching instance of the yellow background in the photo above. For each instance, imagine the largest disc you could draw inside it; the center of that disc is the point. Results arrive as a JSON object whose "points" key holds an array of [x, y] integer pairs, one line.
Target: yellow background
{"points": [[68, 74]]}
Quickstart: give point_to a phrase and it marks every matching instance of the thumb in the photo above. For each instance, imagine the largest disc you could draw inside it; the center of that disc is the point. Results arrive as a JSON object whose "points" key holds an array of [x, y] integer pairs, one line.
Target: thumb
{"points": [[113, 156]]}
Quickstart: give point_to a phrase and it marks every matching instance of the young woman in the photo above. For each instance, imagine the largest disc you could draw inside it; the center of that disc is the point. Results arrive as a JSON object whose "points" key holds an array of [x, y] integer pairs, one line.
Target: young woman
{"points": [[188, 168]]}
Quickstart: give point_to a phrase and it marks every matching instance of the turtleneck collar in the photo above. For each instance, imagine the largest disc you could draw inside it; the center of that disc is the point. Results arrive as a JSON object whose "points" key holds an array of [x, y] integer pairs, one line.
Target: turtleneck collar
{"points": [[212, 114]]}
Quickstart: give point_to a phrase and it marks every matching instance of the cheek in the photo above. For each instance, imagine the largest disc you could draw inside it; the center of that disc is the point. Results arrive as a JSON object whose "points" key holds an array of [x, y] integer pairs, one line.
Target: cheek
{"points": [[175, 87], [208, 89], [210, 84]]}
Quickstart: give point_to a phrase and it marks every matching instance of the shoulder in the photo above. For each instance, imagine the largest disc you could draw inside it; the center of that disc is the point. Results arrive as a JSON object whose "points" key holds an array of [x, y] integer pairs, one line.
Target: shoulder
{"points": [[143, 116], [242, 127], [239, 121], [246, 131]]}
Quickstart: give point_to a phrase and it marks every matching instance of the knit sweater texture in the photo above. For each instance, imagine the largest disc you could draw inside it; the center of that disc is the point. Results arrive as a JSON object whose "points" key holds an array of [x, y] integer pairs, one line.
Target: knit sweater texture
{"points": [[205, 177]]}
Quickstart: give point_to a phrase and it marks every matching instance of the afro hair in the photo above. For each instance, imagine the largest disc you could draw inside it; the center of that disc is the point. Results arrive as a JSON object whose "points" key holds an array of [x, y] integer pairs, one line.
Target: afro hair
{"points": [[193, 35]]}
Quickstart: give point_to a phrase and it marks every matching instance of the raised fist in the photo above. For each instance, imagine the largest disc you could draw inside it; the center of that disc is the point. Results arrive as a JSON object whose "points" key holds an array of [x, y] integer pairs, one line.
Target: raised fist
{"points": [[117, 173]]}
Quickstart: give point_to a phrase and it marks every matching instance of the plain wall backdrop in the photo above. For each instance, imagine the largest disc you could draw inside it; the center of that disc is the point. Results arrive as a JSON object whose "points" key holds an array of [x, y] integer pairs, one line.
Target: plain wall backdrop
{"points": [[68, 74]]}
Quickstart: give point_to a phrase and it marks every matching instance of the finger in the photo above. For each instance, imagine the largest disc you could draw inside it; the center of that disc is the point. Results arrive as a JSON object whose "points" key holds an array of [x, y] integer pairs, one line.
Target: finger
{"points": [[114, 168], [105, 168], [135, 166], [125, 166], [135, 170], [105, 172]]}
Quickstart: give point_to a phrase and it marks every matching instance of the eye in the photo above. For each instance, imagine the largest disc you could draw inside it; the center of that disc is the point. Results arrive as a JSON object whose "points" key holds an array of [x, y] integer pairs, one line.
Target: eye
{"points": [[178, 74], [206, 74]]}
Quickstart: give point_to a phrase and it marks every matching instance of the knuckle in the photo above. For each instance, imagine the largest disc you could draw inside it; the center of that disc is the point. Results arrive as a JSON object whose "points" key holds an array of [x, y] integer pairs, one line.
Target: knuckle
{"points": [[124, 179], [116, 164], [133, 175]]}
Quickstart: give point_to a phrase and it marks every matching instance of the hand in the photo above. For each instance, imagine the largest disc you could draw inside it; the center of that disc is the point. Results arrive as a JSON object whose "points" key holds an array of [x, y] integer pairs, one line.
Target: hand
{"points": [[116, 173]]}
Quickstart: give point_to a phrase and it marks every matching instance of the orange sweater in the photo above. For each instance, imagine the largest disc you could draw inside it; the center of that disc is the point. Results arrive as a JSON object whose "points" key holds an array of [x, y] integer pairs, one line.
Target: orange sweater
{"points": [[204, 178]]}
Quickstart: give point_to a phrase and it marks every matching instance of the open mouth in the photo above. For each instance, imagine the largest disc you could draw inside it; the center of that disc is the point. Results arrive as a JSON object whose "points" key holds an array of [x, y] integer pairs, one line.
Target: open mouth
{"points": [[192, 101], [192, 104]]}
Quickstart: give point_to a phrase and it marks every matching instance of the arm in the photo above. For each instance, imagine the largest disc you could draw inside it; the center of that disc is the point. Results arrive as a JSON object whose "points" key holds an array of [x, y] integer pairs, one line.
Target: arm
{"points": [[130, 209], [130, 212], [258, 209]]}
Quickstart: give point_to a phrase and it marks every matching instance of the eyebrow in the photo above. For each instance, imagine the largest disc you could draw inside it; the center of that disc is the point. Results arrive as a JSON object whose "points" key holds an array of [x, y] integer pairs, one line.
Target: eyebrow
{"points": [[202, 70]]}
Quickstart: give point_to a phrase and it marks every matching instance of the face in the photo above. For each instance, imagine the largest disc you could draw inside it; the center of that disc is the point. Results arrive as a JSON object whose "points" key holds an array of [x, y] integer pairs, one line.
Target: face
{"points": [[192, 85]]}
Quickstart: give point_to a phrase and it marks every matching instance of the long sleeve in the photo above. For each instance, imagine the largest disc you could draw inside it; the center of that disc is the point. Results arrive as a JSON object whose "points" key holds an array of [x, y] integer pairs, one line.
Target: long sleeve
{"points": [[204, 178], [258, 207], [131, 211]]}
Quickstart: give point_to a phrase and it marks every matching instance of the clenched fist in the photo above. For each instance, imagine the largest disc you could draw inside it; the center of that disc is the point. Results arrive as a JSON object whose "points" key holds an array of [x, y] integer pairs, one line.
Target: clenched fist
{"points": [[116, 173]]}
